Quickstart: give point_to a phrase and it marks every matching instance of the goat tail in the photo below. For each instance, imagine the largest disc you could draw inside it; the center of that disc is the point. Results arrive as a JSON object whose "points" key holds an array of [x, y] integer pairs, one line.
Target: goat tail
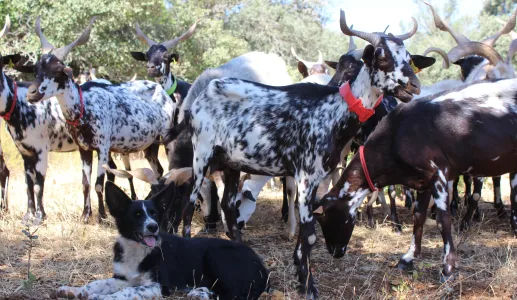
{"points": [[175, 131]]}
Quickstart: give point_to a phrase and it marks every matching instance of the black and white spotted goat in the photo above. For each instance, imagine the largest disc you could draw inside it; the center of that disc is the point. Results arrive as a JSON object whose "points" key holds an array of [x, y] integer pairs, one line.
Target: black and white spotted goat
{"points": [[478, 61], [298, 130], [148, 264], [36, 129], [124, 118]]}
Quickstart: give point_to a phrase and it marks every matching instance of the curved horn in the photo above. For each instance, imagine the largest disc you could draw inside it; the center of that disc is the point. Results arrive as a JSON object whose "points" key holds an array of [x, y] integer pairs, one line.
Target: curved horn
{"points": [[369, 37], [477, 48], [443, 26], [179, 176], [7, 26], [351, 44], [46, 46], [143, 174], [306, 63], [62, 52], [320, 58], [440, 52], [134, 77], [171, 43], [406, 36], [511, 51], [507, 28], [142, 37]]}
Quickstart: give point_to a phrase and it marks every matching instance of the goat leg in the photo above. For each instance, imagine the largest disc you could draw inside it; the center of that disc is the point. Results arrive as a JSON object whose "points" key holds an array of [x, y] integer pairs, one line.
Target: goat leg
{"points": [[30, 177], [87, 159], [419, 217], [127, 166], [99, 182], [228, 204], [40, 169], [498, 200], [4, 183], [513, 200]]}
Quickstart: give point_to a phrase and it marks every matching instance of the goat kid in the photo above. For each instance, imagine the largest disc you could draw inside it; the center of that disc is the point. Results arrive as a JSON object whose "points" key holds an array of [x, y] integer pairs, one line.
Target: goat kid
{"points": [[448, 133], [297, 130], [124, 118], [148, 264]]}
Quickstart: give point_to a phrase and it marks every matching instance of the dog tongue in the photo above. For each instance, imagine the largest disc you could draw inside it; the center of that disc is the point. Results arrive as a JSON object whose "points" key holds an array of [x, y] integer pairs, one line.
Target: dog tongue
{"points": [[150, 241]]}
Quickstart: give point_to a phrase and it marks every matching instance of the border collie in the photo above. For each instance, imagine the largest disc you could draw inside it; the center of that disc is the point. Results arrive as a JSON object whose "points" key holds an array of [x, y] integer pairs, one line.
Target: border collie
{"points": [[148, 264]]}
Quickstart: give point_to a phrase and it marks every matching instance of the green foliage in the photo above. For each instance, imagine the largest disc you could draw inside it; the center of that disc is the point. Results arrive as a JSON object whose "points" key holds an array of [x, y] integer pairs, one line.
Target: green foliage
{"points": [[499, 7]]}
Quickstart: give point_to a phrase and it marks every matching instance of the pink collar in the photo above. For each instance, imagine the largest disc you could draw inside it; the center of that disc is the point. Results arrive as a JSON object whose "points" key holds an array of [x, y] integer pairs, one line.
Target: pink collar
{"points": [[356, 105], [76, 121], [7, 115]]}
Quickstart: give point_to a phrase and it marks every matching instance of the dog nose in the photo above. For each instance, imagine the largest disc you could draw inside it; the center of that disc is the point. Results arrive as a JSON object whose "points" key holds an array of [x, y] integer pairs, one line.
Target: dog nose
{"points": [[152, 227]]}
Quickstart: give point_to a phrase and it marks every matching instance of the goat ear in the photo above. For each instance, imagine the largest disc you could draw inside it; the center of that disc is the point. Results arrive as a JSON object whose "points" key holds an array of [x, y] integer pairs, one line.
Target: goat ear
{"points": [[24, 68], [164, 197], [302, 68], [332, 64], [174, 57], [368, 55], [117, 201], [68, 72], [11, 59], [422, 62], [140, 56]]}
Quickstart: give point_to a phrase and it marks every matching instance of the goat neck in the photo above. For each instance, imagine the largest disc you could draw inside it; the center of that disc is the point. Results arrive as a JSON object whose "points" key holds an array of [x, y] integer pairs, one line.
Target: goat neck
{"points": [[166, 80], [69, 100], [362, 88]]}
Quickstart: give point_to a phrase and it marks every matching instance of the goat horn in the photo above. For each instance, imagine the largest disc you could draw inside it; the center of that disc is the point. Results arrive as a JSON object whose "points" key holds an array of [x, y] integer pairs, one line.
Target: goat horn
{"points": [[477, 48], [411, 33], [142, 37], [7, 26], [320, 58], [179, 176], [507, 28], [440, 52], [62, 52], [46, 46], [372, 38], [306, 63], [443, 26], [386, 29], [351, 44], [144, 174], [134, 77], [511, 51], [170, 44]]}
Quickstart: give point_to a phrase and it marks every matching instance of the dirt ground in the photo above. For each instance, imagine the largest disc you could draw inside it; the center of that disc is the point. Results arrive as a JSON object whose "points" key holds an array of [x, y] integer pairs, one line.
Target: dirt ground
{"points": [[70, 253]]}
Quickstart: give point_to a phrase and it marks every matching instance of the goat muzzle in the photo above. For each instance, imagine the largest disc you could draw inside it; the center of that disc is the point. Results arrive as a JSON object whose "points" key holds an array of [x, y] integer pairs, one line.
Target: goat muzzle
{"points": [[33, 94]]}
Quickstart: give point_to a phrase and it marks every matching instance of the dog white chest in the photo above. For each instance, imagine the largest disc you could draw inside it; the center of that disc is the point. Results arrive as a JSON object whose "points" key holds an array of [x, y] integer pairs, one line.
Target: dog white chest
{"points": [[133, 255]]}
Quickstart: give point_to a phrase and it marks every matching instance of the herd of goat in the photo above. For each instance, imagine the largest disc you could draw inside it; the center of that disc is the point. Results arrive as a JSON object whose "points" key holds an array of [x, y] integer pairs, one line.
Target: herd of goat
{"points": [[238, 125]]}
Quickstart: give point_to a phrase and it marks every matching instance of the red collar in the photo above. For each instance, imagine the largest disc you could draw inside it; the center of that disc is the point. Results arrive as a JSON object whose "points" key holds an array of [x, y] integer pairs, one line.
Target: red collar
{"points": [[365, 169], [356, 105], [76, 121], [7, 115]]}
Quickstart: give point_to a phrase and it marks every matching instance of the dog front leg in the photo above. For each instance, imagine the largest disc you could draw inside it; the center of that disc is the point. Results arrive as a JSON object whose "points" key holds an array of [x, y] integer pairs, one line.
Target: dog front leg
{"points": [[151, 291], [98, 287]]}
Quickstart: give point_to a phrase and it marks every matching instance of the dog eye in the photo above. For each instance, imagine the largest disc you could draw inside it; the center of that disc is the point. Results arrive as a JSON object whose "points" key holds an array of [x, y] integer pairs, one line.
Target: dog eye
{"points": [[152, 212], [138, 213]]}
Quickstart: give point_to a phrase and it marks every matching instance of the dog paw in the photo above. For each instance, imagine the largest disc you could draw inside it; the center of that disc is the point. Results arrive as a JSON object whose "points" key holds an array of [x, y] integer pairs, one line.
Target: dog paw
{"points": [[67, 292], [200, 293]]}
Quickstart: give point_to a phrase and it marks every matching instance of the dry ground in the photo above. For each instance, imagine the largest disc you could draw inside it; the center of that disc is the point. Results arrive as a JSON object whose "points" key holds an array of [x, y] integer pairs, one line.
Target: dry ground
{"points": [[68, 252]]}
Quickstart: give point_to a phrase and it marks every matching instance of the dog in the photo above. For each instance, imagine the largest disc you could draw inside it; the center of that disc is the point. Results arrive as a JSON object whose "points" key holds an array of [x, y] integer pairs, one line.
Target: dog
{"points": [[148, 264]]}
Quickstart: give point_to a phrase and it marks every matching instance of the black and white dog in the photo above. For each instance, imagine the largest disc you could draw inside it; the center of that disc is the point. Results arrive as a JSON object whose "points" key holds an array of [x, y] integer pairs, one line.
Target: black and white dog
{"points": [[148, 264]]}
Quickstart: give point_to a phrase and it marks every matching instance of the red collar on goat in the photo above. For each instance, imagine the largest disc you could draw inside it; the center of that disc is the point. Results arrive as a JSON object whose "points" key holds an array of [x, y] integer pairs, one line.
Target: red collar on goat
{"points": [[365, 169], [356, 105], [76, 121], [7, 115]]}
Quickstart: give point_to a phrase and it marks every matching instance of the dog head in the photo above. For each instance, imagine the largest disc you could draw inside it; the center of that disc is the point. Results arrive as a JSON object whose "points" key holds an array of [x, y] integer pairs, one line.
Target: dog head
{"points": [[137, 220]]}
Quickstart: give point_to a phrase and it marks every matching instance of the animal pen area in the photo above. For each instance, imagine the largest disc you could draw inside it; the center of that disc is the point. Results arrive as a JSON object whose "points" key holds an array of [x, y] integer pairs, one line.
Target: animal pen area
{"points": [[68, 252]]}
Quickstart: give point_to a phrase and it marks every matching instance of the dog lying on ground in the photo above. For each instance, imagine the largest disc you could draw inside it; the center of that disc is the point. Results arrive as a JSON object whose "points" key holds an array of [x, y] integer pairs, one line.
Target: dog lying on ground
{"points": [[148, 264]]}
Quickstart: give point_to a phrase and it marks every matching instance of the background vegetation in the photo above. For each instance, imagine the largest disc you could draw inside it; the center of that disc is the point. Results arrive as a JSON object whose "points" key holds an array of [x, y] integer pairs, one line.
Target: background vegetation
{"points": [[229, 28]]}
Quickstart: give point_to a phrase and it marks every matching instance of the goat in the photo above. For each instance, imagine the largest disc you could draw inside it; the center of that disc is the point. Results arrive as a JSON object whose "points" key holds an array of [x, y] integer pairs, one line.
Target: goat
{"points": [[315, 72], [148, 264], [298, 130], [124, 118], [36, 129], [159, 62], [448, 134], [478, 61]]}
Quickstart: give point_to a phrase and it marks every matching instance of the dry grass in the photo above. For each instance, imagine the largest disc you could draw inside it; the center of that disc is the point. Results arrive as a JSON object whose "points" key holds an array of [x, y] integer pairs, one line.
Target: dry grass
{"points": [[68, 252]]}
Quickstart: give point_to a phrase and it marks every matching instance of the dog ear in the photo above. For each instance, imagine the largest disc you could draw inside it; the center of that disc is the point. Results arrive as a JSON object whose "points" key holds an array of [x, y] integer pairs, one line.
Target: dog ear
{"points": [[164, 197], [117, 201]]}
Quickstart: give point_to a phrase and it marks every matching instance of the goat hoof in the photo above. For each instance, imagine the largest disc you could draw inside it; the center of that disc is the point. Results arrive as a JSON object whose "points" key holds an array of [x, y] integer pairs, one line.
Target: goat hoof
{"points": [[398, 229], [501, 212], [465, 225], [285, 218], [446, 278], [311, 293], [405, 266]]}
